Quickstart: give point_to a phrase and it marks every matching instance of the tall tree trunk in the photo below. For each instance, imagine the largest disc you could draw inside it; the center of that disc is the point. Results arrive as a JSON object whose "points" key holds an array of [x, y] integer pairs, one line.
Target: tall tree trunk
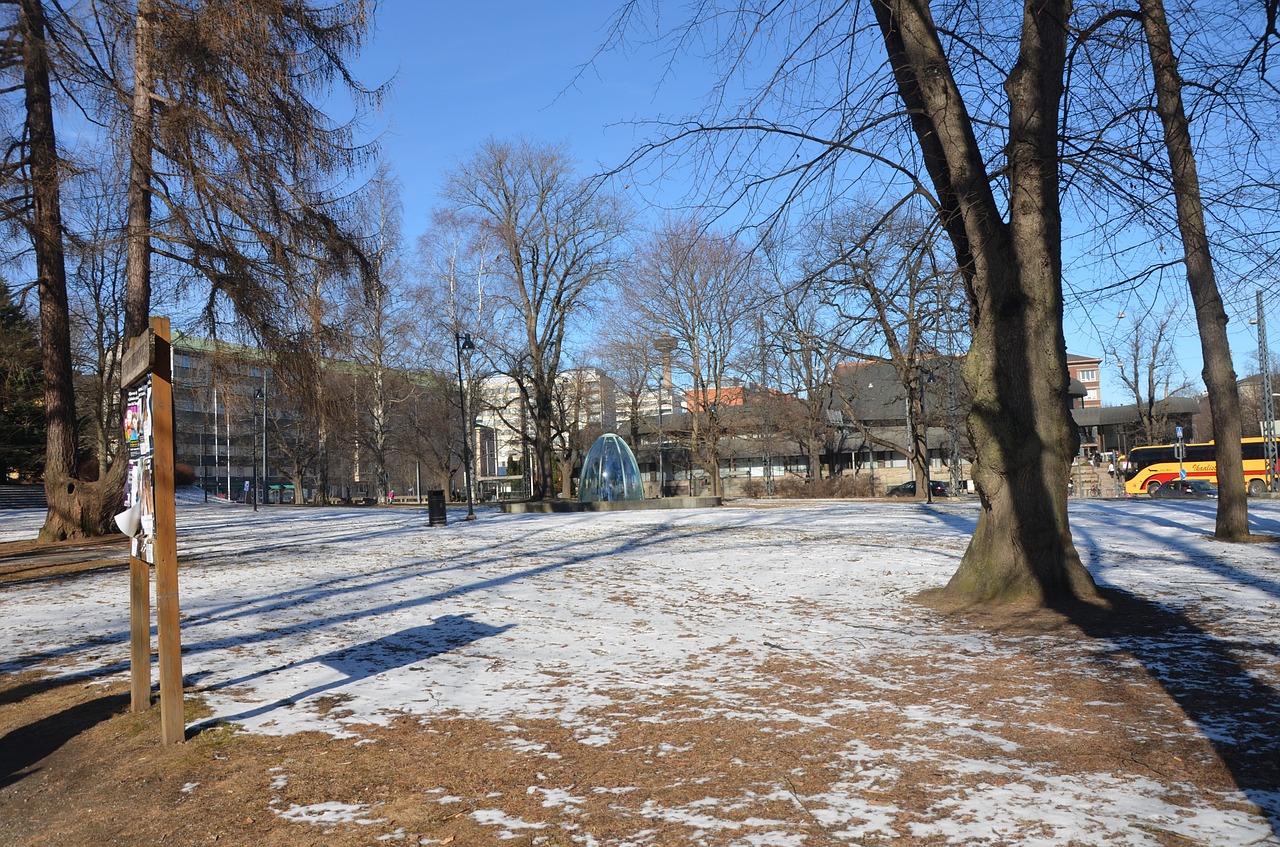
{"points": [[1211, 317], [51, 275], [917, 431], [566, 476], [378, 413], [75, 508], [1016, 368], [138, 246], [543, 471]]}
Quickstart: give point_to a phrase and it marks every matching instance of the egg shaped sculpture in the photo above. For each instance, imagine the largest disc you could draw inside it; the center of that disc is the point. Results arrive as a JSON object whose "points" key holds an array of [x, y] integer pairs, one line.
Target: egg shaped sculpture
{"points": [[610, 472]]}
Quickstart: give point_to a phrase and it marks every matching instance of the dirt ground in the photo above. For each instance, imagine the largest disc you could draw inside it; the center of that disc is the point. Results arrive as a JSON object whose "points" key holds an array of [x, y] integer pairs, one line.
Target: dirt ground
{"points": [[77, 769], [22, 561]]}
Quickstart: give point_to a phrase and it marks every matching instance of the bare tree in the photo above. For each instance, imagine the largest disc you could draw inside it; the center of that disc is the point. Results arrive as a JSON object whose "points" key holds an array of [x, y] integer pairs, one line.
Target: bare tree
{"points": [[825, 103], [1016, 367], [557, 238], [627, 353], [1211, 316], [378, 325], [431, 420], [454, 262], [883, 275], [1145, 361], [700, 287], [97, 284], [803, 342], [308, 382], [579, 404], [1141, 177]]}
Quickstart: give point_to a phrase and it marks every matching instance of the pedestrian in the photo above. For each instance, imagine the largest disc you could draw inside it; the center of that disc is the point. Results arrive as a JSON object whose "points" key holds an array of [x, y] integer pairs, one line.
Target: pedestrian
{"points": [[391, 497], [1111, 469]]}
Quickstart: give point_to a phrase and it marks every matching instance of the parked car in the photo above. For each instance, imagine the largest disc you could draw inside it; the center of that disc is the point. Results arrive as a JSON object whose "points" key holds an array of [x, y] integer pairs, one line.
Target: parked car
{"points": [[908, 489], [1186, 489]]}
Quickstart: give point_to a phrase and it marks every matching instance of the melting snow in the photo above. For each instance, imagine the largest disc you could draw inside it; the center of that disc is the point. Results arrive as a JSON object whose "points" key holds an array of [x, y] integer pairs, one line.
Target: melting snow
{"points": [[554, 616]]}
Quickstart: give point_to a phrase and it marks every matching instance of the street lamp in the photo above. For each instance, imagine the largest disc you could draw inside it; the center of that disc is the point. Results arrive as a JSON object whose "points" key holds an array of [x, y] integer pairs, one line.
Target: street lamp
{"points": [[464, 342]]}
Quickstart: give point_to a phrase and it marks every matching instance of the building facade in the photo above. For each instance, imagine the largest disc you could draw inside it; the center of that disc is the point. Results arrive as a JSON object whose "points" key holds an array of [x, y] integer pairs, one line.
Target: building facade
{"points": [[1087, 370]]}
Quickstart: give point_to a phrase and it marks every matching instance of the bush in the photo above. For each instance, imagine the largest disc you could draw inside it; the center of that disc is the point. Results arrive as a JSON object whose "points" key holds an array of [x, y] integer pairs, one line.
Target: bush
{"points": [[796, 487]]}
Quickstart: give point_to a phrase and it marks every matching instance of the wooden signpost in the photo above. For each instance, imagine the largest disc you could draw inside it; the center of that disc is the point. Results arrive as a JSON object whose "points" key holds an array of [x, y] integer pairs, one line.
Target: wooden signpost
{"points": [[149, 520]]}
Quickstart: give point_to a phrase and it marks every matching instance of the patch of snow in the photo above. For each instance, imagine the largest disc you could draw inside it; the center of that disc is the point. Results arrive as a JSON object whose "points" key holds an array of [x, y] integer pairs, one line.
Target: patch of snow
{"points": [[556, 797], [566, 617], [329, 814], [510, 824]]}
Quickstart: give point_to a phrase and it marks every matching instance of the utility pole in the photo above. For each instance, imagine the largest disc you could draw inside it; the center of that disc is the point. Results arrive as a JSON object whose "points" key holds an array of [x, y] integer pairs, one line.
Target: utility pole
{"points": [[1268, 407]]}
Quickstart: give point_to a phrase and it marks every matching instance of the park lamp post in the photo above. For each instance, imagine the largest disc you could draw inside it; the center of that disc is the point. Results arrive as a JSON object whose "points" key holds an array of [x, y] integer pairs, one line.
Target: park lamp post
{"points": [[463, 342]]}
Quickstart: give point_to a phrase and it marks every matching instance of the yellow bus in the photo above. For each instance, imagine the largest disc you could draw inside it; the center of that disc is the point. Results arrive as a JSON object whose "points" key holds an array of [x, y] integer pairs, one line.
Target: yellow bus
{"points": [[1146, 468]]}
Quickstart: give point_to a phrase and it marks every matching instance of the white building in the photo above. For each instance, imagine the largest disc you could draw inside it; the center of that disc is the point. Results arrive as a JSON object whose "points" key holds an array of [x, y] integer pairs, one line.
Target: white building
{"points": [[586, 399]]}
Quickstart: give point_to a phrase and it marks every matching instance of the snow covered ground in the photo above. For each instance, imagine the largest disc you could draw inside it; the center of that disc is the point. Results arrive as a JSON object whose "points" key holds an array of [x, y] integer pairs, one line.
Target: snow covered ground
{"points": [[558, 616]]}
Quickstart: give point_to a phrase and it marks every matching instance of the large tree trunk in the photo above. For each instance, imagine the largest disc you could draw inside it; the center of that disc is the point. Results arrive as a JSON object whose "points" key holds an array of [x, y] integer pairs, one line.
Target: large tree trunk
{"points": [[713, 454], [1016, 369], [917, 435], [75, 508], [1211, 317], [566, 477], [138, 255], [543, 471]]}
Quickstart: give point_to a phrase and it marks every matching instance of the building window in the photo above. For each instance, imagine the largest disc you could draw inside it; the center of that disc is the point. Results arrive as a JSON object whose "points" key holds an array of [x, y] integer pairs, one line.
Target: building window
{"points": [[1091, 395], [1090, 375]]}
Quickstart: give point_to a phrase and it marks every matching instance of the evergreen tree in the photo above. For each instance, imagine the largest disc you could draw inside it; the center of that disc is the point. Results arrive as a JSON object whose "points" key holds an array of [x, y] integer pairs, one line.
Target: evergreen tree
{"points": [[21, 392], [225, 136]]}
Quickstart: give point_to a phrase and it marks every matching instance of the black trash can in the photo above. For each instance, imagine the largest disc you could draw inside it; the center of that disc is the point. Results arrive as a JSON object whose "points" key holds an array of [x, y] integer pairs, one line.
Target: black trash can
{"points": [[435, 508]]}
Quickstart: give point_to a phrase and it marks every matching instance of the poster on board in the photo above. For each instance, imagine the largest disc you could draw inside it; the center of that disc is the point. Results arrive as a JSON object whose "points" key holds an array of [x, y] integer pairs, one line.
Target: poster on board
{"points": [[138, 520]]}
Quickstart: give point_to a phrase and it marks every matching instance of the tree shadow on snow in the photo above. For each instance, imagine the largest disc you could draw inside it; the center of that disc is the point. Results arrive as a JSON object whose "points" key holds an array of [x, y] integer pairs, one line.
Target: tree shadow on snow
{"points": [[363, 661], [286, 600], [1238, 713], [1234, 709]]}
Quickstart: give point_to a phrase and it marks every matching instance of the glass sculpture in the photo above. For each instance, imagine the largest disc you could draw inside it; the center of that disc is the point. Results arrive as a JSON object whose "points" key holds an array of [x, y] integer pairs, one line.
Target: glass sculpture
{"points": [[610, 472]]}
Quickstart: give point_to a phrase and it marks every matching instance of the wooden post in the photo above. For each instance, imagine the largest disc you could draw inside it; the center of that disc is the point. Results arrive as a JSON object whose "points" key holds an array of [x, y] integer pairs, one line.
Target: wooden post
{"points": [[135, 369], [148, 358], [173, 725], [139, 634]]}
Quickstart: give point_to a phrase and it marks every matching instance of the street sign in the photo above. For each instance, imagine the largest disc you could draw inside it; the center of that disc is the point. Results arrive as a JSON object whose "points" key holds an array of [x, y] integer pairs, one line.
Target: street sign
{"points": [[1182, 473], [1177, 430]]}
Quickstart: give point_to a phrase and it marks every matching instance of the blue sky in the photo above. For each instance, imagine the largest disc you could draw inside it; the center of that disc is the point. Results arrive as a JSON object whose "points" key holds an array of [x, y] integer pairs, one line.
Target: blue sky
{"points": [[467, 71]]}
